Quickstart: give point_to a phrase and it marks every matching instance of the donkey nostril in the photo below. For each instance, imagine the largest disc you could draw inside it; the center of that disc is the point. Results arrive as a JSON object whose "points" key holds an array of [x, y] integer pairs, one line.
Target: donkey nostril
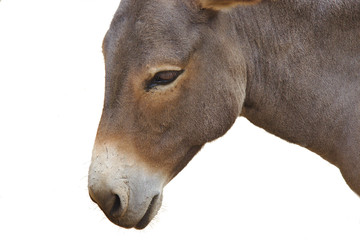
{"points": [[116, 208], [113, 201]]}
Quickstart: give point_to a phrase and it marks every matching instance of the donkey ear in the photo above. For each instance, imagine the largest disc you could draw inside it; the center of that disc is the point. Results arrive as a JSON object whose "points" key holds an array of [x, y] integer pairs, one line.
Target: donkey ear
{"points": [[222, 4]]}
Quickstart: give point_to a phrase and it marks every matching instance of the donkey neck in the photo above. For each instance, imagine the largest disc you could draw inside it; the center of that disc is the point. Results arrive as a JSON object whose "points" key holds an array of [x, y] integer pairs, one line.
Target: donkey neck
{"points": [[295, 88]]}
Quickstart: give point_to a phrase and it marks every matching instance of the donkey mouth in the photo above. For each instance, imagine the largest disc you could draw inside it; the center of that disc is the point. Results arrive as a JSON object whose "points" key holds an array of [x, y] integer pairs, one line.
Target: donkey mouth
{"points": [[150, 212]]}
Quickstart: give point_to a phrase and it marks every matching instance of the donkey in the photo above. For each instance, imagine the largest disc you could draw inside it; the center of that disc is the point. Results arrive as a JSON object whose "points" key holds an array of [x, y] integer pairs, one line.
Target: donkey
{"points": [[179, 73]]}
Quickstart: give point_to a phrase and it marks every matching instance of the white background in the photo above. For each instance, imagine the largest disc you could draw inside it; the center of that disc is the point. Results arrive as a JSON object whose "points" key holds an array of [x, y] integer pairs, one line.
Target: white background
{"points": [[247, 185]]}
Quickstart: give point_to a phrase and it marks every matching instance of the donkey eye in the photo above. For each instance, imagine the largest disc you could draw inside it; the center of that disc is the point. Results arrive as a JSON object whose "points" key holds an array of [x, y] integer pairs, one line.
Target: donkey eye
{"points": [[163, 78]]}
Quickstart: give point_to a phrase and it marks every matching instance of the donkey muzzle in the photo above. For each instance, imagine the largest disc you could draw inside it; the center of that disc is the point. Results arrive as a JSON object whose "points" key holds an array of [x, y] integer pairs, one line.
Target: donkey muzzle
{"points": [[127, 192]]}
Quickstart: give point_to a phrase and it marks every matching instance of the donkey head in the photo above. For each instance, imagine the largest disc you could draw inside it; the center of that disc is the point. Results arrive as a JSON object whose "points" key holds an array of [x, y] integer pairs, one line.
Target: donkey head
{"points": [[175, 79]]}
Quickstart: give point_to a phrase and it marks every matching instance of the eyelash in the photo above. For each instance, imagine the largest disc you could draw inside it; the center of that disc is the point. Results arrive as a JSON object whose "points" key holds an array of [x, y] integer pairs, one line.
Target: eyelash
{"points": [[159, 80]]}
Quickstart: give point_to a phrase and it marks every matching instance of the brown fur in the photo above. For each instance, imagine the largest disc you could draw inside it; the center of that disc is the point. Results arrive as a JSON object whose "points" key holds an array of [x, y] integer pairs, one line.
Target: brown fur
{"points": [[221, 4], [290, 67]]}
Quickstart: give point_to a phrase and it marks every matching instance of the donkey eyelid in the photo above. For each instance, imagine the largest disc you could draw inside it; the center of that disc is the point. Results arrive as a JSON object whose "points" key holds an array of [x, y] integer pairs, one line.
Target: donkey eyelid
{"points": [[163, 68]]}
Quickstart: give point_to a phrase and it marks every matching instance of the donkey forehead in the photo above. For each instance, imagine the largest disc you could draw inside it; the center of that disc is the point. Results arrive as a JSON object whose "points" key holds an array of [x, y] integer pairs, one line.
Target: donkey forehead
{"points": [[150, 31], [163, 12]]}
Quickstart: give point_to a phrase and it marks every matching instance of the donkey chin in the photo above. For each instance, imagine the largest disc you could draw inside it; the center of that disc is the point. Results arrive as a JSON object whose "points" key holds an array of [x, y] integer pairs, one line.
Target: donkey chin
{"points": [[128, 193]]}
